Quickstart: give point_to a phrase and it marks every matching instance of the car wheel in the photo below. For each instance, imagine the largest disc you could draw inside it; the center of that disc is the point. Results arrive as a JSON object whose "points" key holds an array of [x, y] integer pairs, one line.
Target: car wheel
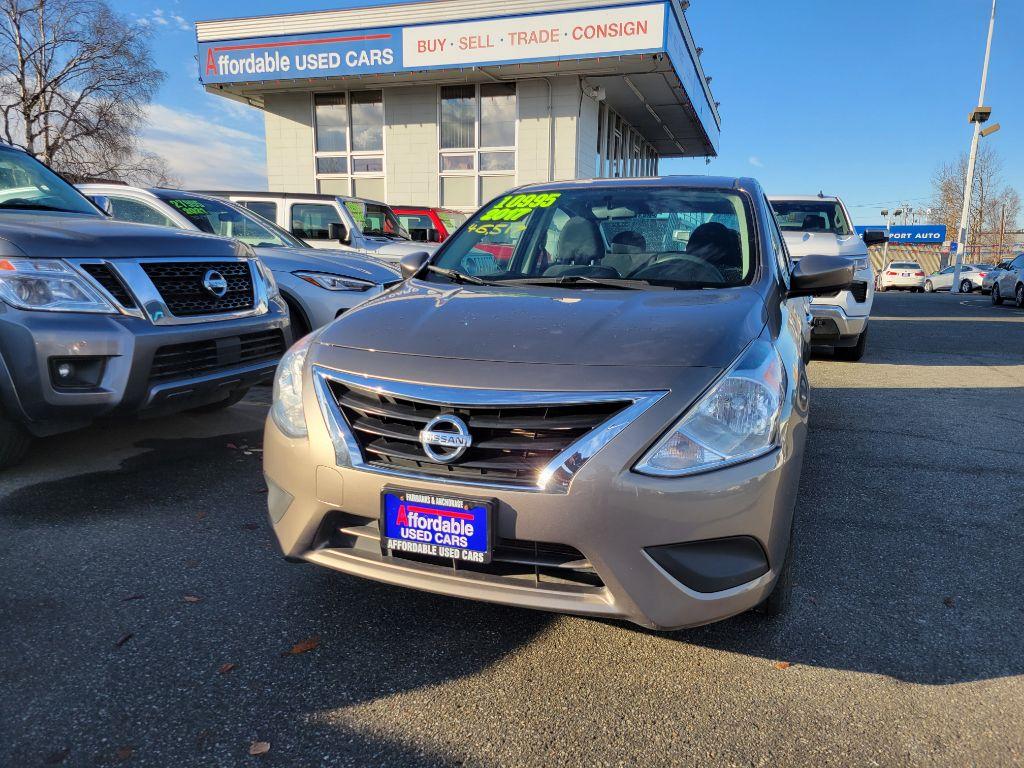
{"points": [[781, 597], [1018, 296], [856, 352], [14, 442], [966, 286], [220, 405], [996, 298], [928, 287]]}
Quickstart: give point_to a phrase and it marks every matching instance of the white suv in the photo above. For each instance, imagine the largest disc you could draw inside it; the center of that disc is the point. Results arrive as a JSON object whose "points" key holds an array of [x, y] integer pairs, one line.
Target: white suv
{"points": [[334, 222], [820, 225]]}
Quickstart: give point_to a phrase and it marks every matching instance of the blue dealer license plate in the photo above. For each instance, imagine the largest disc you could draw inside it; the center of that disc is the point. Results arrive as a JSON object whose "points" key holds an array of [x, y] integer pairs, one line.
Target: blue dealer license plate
{"points": [[417, 523]]}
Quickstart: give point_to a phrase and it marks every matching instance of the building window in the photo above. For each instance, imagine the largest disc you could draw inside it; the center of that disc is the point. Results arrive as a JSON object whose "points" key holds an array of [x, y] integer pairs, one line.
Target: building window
{"points": [[477, 142], [349, 130]]}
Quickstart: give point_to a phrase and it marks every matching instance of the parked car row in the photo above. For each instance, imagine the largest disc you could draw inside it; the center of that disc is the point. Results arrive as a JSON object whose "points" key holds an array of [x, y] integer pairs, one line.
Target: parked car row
{"points": [[910, 276]]}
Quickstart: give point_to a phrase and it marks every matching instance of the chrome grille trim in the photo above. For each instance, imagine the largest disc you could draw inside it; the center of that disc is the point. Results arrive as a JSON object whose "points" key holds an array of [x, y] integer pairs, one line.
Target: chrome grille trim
{"points": [[555, 477]]}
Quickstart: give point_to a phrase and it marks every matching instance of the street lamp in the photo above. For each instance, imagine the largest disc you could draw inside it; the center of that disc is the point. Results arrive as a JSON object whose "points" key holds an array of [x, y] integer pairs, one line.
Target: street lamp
{"points": [[978, 115]]}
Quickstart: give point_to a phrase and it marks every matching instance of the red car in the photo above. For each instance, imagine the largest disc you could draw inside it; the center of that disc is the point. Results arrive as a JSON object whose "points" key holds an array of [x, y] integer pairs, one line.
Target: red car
{"points": [[432, 225]]}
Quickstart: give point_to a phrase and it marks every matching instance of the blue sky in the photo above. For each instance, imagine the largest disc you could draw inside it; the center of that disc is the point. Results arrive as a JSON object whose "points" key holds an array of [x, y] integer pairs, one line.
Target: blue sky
{"points": [[862, 99]]}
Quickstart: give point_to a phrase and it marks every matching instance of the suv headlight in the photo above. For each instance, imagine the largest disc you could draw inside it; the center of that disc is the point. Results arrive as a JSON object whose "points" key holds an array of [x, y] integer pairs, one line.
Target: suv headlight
{"points": [[49, 285], [737, 420], [860, 263], [333, 282], [268, 280], [287, 410]]}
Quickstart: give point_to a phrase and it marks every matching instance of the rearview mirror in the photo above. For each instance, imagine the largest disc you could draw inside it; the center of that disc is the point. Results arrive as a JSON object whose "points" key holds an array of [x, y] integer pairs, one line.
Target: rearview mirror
{"points": [[874, 237], [413, 263], [337, 231], [820, 276]]}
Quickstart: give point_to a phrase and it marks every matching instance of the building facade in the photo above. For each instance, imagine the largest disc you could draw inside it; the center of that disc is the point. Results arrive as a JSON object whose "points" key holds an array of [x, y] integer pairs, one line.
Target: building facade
{"points": [[444, 104]]}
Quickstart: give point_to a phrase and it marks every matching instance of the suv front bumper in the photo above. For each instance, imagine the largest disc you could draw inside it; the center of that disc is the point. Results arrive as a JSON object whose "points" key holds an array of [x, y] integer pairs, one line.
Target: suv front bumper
{"points": [[128, 348]]}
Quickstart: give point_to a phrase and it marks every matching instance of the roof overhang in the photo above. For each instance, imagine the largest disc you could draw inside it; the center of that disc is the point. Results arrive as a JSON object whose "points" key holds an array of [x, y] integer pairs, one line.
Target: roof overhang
{"points": [[641, 56]]}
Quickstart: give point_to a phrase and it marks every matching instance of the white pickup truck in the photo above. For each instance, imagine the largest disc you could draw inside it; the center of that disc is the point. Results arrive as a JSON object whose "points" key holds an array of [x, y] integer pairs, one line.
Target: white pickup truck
{"points": [[334, 222], [820, 225]]}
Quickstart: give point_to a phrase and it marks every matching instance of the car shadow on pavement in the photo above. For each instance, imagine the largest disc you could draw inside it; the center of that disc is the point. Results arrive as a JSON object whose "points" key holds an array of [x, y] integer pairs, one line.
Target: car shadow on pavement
{"points": [[129, 591]]}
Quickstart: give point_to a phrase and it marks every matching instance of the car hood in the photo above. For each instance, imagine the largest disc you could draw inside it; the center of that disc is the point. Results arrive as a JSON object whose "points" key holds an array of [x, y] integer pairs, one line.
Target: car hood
{"points": [[64, 236], [393, 250], [562, 327], [802, 244], [356, 266]]}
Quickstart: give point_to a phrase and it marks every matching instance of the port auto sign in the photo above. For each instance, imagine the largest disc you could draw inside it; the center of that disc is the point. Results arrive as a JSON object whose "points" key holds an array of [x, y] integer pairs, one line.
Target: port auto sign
{"points": [[512, 39], [916, 234]]}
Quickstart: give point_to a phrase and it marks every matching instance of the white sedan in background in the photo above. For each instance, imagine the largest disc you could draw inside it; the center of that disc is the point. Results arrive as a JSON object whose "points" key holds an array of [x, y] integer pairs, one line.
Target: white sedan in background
{"points": [[901, 276], [971, 277]]}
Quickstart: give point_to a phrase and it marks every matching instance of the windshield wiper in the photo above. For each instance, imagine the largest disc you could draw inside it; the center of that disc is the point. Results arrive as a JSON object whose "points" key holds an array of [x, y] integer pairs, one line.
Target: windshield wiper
{"points": [[456, 276], [582, 281], [35, 207]]}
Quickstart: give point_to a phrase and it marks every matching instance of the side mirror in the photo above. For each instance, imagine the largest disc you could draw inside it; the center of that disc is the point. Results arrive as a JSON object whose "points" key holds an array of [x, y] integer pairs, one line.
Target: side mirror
{"points": [[420, 235], [434, 235], [413, 263], [820, 276], [103, 203], [874, 237], [337, 231]]}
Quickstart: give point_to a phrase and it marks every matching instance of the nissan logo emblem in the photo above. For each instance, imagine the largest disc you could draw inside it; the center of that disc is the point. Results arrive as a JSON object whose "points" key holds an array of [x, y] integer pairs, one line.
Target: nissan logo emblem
{"points": [[215, 283], [445, 438]]}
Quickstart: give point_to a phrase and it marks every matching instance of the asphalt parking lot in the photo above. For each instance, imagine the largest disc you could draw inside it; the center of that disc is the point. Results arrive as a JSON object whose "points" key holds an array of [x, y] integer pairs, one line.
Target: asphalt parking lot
{"points": [[136, 568]]}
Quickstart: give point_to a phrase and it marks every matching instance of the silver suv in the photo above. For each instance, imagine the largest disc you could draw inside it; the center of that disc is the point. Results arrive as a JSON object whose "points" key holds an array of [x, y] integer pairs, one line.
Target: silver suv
{"points": [[605, 416], [100, 318]]}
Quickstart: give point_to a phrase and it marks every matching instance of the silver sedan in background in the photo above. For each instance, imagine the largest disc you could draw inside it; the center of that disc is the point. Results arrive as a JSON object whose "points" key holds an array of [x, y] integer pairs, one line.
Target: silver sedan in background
{"points": [[318, 285], [971, 276], [992, 275]]}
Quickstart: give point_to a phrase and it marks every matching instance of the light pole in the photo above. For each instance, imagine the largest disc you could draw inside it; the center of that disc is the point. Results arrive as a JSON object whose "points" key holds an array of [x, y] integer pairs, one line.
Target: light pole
{"points": [[979, 115]]}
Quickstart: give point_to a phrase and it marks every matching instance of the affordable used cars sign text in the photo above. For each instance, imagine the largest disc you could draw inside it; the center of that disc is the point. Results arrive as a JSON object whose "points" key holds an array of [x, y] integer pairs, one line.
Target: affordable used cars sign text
{"points": [[538, 37]]}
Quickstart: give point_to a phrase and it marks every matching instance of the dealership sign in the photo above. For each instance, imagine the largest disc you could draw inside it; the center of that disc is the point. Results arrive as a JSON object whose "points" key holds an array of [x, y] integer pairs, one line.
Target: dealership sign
{"points": [[917, 234], [508, 40]]}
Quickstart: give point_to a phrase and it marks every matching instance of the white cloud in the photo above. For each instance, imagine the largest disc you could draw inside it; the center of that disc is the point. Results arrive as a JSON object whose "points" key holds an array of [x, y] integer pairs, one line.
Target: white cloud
{"points": [[161, 18], [755, 161], [205, 154]]}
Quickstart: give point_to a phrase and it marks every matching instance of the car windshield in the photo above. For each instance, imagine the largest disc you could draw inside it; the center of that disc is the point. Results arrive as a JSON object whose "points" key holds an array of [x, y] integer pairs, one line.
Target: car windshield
{"points": [[377, 220], [614, 237], [811, 216], [219, 218], [28, 185], [904, 265]]}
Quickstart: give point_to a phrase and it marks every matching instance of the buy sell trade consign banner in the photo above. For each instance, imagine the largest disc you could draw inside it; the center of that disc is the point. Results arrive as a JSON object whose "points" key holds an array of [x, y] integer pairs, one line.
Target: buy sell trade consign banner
{"points": [[618, 30]]}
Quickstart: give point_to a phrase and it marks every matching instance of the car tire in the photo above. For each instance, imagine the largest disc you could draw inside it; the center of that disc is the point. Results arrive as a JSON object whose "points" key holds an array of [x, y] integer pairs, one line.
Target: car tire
{"points": [[928, 287], [220, 405], [14, 442], [781, 597], [1018, 296], [996, 298], [856, 352], [966, 286]]}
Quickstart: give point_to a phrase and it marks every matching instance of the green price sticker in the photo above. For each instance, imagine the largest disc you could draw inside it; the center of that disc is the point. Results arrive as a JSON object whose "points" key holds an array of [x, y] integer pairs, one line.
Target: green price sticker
{"points": [[357, 210], [189, 207], [515, 207]]}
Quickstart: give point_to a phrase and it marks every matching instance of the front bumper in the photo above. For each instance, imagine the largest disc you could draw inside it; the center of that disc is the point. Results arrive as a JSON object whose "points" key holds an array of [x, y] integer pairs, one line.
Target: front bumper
{"points": [[127, 347], [327, 514]]}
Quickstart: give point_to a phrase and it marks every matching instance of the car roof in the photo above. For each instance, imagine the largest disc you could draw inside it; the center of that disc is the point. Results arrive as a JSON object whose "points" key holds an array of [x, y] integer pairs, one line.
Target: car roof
{"points": [[693, 182], [804, 198], [256, 195]]}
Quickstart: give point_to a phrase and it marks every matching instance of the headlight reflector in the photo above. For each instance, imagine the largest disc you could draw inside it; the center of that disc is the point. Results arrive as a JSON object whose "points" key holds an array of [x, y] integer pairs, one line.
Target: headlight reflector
{"points": [[334, 282], [49, 285], [287, 410], [860, 263], [736, 421]]}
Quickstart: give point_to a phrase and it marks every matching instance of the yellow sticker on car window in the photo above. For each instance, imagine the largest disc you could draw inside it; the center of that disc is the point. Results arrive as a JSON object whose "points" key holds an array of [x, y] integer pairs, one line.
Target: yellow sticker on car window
{"points": [[515, 207]]}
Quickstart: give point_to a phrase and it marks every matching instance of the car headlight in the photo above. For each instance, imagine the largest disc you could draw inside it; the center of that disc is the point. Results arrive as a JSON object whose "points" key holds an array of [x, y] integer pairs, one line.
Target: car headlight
{"points": [[268, 280], [737, 420], [334, 282], [859, 264], [50, 285], [287, 410]]}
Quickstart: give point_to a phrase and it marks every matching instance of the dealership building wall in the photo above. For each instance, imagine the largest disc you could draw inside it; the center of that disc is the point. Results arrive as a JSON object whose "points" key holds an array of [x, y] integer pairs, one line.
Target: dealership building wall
{"points": [[459, 134]]}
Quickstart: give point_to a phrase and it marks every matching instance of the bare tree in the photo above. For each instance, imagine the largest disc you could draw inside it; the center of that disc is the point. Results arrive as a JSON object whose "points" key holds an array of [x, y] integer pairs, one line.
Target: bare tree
{"points": [[989, 198], [75, 79]]}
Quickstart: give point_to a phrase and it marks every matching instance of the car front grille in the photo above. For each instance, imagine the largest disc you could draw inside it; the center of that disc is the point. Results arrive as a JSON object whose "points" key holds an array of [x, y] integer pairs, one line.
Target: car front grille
{"points": [[532, 563], [859, 289], [197, 358], [511, 444], [105, 276], [180, 284]]}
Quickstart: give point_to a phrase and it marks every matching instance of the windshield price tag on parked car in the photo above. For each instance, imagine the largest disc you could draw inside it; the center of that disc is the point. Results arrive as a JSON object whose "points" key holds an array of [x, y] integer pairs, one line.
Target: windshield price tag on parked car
{"points": [[189, 207], [515, 207], [358, 211]]}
